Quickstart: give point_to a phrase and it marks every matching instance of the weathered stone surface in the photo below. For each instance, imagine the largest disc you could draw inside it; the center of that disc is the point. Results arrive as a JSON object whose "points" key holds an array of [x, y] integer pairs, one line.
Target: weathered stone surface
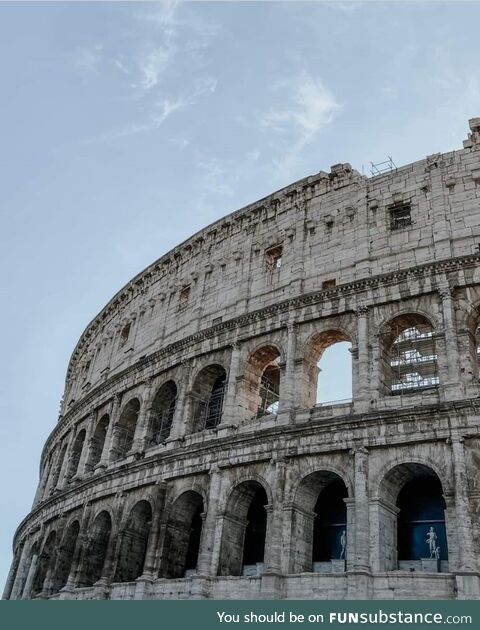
{"points": [[148, 480]]}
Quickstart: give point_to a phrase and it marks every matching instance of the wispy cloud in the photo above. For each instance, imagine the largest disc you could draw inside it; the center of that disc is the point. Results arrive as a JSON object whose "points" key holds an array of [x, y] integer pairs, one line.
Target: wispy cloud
{"points": [[87, 59], [159, 111], [308, 106]]}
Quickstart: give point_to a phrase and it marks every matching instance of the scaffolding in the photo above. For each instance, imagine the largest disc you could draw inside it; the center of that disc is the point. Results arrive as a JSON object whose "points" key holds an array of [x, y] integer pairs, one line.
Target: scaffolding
{"points": [[413, 359], [124, 440], [380, 168], [208, 413], [161, 423], [269, 391]]}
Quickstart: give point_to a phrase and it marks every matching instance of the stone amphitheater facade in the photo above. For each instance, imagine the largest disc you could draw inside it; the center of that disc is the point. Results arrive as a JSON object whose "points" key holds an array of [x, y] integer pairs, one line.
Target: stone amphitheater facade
{"points": [[191, 458]]}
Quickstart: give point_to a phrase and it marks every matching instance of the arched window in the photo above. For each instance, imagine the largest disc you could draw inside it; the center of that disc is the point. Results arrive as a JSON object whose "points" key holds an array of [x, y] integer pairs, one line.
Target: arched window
{"points": [[421, 520], [262, 382], [24, 570], [76, 454], [98, 440], [330, 524], [45, 563], [65, 557], [208, 394], [245, 525], [134, 541], [57, 469], [411, 505], [183, 534], [161, 414], [328, 364], [125, 429], [96, 550], [319, 524], [409, 354]]}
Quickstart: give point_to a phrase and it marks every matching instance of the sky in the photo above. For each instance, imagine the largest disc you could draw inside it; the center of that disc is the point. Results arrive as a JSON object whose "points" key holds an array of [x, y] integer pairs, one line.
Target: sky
{"points": [[126, 127]]}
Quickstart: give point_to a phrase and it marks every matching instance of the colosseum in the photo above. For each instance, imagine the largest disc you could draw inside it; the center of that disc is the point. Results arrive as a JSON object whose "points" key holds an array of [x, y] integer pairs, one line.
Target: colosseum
{"points": [[192, 457]]}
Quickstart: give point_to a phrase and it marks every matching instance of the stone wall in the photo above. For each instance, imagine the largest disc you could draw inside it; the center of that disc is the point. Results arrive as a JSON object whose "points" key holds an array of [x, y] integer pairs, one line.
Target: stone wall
{"points": [[385, 263]]}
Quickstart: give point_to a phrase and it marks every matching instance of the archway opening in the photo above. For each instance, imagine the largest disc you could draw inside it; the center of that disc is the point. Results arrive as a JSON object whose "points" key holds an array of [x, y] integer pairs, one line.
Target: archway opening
{"points": [[262, 381], [319, 524], [95, 551], [98, 440], [411, 504], [330, 524], [55, 481], [244, 532], [44, 564], [133, 546], [409, 354], [65, 557], [161, 414], [328, 365], [125, 429], [183, 535], [76, 454], [421, 520], [208, 396]]}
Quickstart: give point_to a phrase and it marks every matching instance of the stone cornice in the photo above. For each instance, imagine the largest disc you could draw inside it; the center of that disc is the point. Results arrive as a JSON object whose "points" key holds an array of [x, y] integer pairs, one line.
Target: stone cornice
{"points": [[344, 290], [314, 427]]}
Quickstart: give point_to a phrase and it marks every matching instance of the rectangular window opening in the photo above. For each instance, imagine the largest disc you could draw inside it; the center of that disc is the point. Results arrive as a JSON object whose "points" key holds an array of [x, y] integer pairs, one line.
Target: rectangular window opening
{"points": [[400, 216], [273, 258], [185, 295]]}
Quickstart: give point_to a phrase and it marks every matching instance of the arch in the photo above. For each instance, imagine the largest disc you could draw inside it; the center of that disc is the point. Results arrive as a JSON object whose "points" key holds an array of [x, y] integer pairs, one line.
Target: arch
{"points": [[45, 563], [65, 556], [320, 390], [58, 467], [408, 354], [319, 522], [98, 440], [161, 414], [261, 383], [182, 535], [411, 503], [208, 394], [244, 530], [133, 546], [76, 454], [125, 429], [95, 550]]}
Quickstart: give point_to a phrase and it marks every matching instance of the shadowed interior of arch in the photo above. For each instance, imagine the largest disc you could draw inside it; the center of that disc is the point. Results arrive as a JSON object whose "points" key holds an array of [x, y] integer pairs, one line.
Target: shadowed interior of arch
{"points": [[243, 538], [161, 414], [182, 536]]}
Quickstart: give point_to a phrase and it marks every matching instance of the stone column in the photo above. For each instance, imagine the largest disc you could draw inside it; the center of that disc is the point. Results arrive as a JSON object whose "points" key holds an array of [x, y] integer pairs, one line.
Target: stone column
{"points": [[451, 346], [361, 396], [467, 577], [62, 477], [361, 560], [150, 567], [111, 556], [231, 415], [287, 389], [80, 549], [179, 425], [142, 427], [27, 589], [14, 570], [209, 554], [274, 535], [43, 481], [107, 445], [466, 555], [82, 468]]}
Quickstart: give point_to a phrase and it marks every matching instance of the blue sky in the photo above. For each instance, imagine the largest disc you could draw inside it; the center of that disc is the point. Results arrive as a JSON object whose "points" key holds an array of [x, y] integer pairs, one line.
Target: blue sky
{"points": [[126, 127]]}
